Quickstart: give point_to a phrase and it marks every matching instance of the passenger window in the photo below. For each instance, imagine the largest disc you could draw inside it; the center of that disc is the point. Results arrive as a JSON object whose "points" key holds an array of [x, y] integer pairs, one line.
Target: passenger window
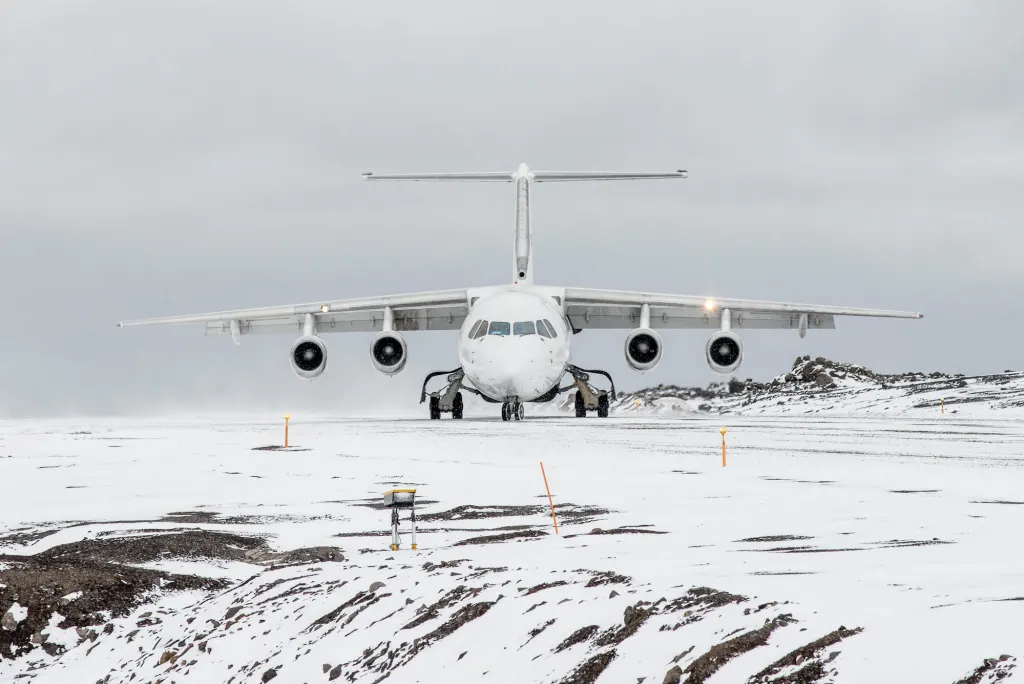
{"points": [[479, 330], [524, 328], [498, 328], [542, 329]]}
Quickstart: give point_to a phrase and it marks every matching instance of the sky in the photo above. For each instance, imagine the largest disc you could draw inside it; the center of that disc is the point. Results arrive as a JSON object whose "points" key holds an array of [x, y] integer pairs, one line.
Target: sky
{"points": [[165, 158]]}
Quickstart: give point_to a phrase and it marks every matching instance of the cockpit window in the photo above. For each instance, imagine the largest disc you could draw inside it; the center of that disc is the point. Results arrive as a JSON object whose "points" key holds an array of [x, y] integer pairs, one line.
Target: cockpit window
{"points": [[499, 328], [546, 325], [542, 329], [524, 328], [479, 330]]}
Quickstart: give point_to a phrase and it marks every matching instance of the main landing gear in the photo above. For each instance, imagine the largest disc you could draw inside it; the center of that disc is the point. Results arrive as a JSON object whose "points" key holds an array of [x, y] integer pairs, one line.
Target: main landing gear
{"points": [[448, 399], [588, 398], [512, 410]]}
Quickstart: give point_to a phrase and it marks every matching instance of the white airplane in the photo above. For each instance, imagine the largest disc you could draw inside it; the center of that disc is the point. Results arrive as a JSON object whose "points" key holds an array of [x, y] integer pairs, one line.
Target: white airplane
{"points": [[514, 342]]}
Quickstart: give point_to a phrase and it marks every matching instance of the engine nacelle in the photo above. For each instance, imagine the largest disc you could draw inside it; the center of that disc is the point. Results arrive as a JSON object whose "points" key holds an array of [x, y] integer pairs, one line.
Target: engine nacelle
{"points": [[388, 352], [724, 351], [308, 356], [643, 349]]}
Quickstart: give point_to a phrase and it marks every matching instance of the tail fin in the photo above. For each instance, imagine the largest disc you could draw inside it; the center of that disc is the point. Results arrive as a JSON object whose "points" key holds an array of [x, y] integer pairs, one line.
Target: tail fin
{"points": [[522, 258]]}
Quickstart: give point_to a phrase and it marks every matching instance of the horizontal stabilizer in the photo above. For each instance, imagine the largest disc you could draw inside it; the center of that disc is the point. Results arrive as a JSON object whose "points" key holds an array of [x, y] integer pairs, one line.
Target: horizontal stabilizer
{"points": [[543, 176], [499, 176], [524, 172]]}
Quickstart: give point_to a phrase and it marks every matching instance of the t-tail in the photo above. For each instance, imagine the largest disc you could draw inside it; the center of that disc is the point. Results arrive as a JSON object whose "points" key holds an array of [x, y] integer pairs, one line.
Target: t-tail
{"points": [[522, 255]]}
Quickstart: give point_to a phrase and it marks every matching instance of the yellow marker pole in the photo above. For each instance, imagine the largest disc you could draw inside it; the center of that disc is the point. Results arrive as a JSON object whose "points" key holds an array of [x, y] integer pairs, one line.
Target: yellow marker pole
{"points": [[286, 419], [636, 405], [554, 520], [723, 447]]}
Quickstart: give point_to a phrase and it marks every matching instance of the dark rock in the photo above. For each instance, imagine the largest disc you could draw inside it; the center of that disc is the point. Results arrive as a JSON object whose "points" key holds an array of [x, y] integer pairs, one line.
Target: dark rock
{"points": [[673, 676]]}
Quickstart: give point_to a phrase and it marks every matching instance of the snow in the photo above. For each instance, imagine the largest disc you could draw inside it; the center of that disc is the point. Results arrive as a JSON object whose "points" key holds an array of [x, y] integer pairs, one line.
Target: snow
{"points": [[907, 527], [17, 613], [73, 596]]}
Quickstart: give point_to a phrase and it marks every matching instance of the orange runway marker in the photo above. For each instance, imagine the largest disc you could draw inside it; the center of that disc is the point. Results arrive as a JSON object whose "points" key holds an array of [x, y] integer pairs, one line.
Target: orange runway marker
{"points": [[554, 520], [286, 419], [723, 447]]}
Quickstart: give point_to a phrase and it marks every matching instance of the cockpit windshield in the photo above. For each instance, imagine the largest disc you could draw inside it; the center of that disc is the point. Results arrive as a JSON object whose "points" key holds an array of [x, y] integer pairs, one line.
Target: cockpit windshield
{"points": [[524, 328], [499, 328]]}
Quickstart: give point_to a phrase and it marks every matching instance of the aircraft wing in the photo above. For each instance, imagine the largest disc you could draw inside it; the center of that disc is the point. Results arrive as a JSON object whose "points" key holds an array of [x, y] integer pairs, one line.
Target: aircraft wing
{"points": [[614, 309], [442, 310]]}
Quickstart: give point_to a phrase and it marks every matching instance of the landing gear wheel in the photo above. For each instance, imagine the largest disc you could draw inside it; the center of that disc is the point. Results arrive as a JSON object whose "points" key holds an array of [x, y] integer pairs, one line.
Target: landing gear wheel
{"points": [[602, 406], [520, 411], [457, 407], [506, 413], [581, 408], [435, 408]]}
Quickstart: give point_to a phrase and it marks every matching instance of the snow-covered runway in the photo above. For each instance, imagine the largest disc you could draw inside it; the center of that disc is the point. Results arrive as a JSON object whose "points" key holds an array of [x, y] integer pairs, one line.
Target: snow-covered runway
{"points": [[908, 529]]}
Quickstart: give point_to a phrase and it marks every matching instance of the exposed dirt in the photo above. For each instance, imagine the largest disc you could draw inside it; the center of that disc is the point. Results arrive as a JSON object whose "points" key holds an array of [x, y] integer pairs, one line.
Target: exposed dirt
{"points": [[496, 538], [21, 537], [469, 512], [775, 538], [590, 670], [433, 611], [542, 587], [463, 615], [632, 619], [993, 669], [809, 656], [710, 662], [607, 577], [40, 583], [534, 633], [617, 530], [578, 637], [147, 548]]}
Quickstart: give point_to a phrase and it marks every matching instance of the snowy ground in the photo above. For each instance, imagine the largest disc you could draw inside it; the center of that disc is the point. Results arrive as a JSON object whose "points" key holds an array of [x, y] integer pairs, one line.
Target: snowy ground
{"points": [[908, 529]]}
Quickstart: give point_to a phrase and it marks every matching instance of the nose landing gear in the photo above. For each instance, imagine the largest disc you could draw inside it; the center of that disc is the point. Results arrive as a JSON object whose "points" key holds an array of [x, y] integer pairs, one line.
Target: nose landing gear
{"points": [[512, 410]]}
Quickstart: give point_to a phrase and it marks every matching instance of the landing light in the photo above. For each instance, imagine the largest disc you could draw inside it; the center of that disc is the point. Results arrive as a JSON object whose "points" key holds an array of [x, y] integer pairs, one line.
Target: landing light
{"points": [[325, 308], [709, 304]]}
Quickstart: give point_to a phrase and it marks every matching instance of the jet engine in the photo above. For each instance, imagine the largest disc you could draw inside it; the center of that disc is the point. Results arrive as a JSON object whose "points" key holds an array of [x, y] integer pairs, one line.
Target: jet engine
{"points": [[388, 352], [724, 351], [308, 356], [643, 349]]}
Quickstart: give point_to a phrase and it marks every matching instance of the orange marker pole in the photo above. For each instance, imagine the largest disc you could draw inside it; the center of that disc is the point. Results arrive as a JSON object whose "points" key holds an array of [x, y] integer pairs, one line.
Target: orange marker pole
{"points": [[286, 419], [942, 404], [554, 520], [723, 447]]}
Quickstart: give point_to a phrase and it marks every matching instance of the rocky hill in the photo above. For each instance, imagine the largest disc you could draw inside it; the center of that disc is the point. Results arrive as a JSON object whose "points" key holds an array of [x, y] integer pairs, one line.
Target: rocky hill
{"points": [[815, 385]]}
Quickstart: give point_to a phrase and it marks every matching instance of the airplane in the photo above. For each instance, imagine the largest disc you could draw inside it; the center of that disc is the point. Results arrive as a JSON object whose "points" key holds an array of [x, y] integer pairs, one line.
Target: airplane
{"points": [[515, 340]]}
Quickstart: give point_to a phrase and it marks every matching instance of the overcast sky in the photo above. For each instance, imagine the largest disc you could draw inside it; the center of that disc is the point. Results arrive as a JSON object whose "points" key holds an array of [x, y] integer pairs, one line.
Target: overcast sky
{"points": [[162, 158]]}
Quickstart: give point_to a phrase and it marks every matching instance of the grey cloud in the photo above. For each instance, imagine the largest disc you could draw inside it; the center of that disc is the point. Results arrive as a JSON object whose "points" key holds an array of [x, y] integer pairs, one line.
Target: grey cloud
{"points": [[163, 158]]}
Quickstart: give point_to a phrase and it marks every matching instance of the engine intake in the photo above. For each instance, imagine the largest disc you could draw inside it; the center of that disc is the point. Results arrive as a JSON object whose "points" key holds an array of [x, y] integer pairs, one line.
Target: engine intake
{"points": [[643, 349], [308, 356], [388, 352], [724, 352]]}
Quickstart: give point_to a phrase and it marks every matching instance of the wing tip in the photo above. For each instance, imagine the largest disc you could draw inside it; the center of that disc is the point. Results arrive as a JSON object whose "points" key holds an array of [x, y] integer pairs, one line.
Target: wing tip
{"points": [[120, 325]]}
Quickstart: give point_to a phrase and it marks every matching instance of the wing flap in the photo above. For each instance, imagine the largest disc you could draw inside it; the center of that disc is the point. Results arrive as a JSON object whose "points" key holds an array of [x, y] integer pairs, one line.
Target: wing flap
{"points": [[406, 320], [341, 312], [619, 309], [624, 317]]}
